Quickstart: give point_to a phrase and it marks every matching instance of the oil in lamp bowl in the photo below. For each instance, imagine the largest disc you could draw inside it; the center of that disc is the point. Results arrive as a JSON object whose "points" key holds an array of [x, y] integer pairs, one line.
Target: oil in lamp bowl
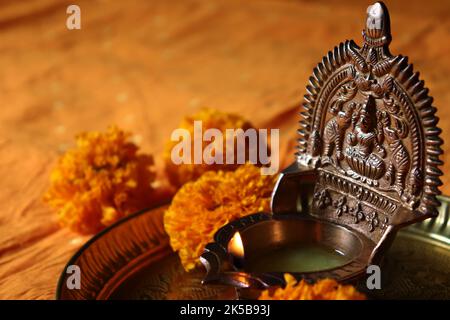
{"points": [[366, 166], [298, 245]]}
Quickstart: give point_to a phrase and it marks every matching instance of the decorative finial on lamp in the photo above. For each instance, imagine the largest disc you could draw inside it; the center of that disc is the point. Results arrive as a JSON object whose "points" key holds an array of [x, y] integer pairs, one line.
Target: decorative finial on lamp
{"points": [[377, 31]]}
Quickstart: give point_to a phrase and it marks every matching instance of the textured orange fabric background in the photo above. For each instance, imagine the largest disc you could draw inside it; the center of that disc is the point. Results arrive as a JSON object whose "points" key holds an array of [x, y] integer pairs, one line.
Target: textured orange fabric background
{"points": [[144, 64]]}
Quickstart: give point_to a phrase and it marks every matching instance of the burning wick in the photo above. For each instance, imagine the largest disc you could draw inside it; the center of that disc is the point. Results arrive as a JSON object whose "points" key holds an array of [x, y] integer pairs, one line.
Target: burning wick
{"points": [[236, 251]]}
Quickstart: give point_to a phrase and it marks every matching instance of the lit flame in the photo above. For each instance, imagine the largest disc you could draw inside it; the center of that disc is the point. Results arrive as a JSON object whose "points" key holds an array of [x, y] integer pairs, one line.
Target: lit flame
{"points": [[235, 246]]}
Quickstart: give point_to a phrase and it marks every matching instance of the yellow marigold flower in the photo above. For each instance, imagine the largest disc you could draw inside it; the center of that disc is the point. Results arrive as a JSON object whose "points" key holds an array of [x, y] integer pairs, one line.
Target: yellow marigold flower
{"points": [[325, 289], [211, 118], [99, 181], [200, 208]]}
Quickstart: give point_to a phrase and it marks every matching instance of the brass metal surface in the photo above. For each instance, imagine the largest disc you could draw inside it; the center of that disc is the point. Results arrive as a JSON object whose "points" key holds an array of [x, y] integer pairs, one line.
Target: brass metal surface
{"points": [[367, 159]]}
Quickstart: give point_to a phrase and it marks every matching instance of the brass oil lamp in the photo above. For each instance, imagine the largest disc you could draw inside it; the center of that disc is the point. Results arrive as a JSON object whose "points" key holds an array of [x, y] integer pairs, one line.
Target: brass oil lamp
{"points": [[366, 166]]}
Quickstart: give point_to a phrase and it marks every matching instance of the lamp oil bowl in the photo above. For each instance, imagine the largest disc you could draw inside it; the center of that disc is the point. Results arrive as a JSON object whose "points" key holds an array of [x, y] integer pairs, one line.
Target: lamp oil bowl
{"points": [[366, 166]]}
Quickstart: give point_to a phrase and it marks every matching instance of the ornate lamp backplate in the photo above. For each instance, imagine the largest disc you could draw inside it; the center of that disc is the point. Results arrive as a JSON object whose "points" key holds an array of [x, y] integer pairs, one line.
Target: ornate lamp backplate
{"points": [[369, 129]]}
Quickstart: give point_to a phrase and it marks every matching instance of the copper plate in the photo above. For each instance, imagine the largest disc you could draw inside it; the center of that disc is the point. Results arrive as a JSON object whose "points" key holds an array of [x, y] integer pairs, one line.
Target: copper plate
{"points": [[133, 260]]}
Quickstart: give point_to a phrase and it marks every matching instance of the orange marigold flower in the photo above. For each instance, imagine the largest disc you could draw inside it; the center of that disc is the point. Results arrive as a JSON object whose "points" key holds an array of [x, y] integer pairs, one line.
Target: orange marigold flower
{"points": [[211, 118], [99, 181], [325, 289], [200, 208]]}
